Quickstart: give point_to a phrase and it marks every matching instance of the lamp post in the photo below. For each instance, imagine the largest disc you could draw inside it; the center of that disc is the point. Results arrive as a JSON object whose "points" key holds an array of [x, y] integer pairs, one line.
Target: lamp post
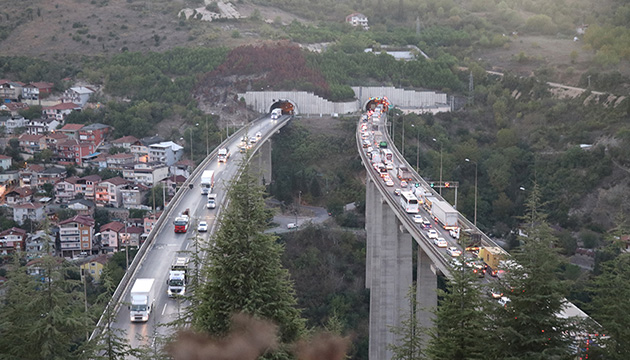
{"points": [[403, 137], [417, 149], [475, 218], [191, 144], [207, 138], [434, 139]]}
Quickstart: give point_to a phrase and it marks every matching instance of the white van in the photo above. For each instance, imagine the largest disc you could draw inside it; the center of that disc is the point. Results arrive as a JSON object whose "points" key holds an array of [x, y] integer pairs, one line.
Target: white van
{"points": [[212, 201]]}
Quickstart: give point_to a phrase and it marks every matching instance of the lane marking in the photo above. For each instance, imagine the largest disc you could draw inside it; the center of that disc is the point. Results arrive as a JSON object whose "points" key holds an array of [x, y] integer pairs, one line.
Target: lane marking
{"points": [[164, 310]]}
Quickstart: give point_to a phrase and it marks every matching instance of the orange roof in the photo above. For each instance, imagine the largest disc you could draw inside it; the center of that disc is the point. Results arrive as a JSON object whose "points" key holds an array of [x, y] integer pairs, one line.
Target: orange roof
{"points": [[71, 127]]}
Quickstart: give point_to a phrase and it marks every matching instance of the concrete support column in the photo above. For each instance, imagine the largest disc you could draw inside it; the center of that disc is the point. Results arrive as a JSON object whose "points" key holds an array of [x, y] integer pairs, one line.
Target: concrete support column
{"points": [[391, 279], [260, 164], [426, 292], [371, 201]]}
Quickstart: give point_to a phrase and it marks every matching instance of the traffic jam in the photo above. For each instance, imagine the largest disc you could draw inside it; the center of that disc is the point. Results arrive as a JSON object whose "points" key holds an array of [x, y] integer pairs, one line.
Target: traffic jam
{"points": [[435, 217]]}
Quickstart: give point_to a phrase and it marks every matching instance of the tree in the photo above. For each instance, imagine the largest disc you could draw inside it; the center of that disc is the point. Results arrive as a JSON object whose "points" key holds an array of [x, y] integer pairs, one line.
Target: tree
{"points": [[461, 324], [529, 327], [243, 271], [408, 338]]}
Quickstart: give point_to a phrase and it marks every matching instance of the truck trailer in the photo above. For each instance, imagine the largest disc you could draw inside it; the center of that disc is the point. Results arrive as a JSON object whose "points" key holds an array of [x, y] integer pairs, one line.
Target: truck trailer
{"points": [[178, 277], [444, 214], [491, 256], [142, 299], [207, 181], [404, 173]]}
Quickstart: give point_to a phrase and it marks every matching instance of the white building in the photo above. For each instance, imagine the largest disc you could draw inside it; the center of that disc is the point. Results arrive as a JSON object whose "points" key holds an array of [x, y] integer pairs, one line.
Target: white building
{"points": [[5, 162], [358, 19], [166, 152], [149, 174], [31, 210], [78, 95]]}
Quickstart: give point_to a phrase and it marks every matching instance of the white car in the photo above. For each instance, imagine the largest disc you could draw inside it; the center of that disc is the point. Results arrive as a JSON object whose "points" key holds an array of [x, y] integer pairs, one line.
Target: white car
{"points": [[397, 192], [253, 140], [292, 226], [504, 301], [432, 234], [417, 219], [259, 134], [453, 251], [389, 166], [389, 182], [403, 184], [440, 242], [202, 227]]}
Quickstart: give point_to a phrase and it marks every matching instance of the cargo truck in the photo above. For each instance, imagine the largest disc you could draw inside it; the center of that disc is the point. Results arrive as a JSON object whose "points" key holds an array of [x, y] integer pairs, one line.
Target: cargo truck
{"points": [[469, 239], [207, 181], [404, 173], [444, 214], [223, 155], [178, 277], [491, 256], [181, 222], [142, 299]]}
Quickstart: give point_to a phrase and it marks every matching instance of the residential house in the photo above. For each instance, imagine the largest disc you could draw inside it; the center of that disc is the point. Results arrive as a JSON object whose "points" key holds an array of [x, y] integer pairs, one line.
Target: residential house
{"points": [[14, 108], [94, 133], [71, 130], [137, 222], [183, 168], [133, 236], [132, 196], [5, 162], [111, 236], [12, 122], [140, 149], [75, 235], [20, 195], [9, 177], [39, 244], [37, 90], [97, 160], [72, 152], [60, 111], [87, 186], [65, 189], [12, 240], [10, 90], [125, 142], [149, 221], [30, 144], [94, 266], [82, 207], [119, 161], [78, 95], [172, 183], [108, 192], [54, 138], [148, 174], [29, 175], [41, 126], [358, 19], [51, 175], [36, 269], [166, 152], [30, 210]]}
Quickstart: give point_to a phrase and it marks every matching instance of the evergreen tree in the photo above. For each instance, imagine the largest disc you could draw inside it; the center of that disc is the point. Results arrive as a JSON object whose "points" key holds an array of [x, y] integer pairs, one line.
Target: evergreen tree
{"points": [[528, 327], [408, 338], [243, 272], [461, 323], [42, 317]]}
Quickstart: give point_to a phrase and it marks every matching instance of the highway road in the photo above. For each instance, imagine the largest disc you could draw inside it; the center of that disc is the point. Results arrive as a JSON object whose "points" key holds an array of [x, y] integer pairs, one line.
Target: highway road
{"points": [[168, 244]]}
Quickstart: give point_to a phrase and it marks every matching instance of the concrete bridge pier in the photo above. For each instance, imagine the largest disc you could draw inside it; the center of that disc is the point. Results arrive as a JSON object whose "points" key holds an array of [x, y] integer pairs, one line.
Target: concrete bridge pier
{"points": [[260, 164], [389, 270], [426, 291]]}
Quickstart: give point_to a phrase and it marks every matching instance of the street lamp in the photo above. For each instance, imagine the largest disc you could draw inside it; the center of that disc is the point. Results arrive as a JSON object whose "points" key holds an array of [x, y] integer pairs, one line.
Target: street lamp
{"points": [[434, 139], [417, 149], [191, 144], [475, 221], [207, 138], [403, 137]]}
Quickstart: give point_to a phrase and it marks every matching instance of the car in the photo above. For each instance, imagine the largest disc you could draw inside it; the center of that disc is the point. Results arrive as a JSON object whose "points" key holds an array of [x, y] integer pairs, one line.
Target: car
{"points": [[504, 301], [386, 177], [453, 251], [440, 242], [426, 224], [397, 192], [253, 140], [202, 227], [495, 294], [389, 166], [369, 150], [432, 234], [403, 184], [292, 226], [259, 135], [417, 219], [389, 182]]}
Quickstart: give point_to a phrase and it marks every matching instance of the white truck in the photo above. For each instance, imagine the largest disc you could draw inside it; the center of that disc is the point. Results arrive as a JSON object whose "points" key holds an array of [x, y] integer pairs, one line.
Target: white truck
{"points": [[276, 113], [178, 277], [142, 298], [445, 214], [207, 181], [223, 155], [212, 201]]}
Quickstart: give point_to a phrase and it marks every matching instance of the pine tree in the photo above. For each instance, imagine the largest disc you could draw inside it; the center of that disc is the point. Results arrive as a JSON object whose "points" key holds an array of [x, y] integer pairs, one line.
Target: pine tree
{"points": [[529, 327], [461, 324], [244, 271], [42, 316], [408, 337]]}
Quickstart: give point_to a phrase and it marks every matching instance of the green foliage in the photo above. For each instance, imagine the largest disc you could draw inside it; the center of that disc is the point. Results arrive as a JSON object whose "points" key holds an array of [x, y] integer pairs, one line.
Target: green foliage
{"points": [[32, 113], [408, 344], [243, 269]]}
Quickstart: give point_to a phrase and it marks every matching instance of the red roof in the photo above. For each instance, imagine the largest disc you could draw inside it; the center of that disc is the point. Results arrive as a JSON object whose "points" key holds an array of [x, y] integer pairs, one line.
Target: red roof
{"points": [[42, 85], [28, 206], [81, 219], [71, 179], [4, 157], [125, 139], [115, 180], [30, 137], [72, 127], [114, 226], [13, 231], [120, 156], [135, 230], [63, 106]]}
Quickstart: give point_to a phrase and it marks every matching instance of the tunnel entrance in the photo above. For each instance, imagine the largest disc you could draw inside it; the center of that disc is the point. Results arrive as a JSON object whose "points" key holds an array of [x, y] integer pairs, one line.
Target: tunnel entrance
{"points": [[287, 106], [373, 102]]}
